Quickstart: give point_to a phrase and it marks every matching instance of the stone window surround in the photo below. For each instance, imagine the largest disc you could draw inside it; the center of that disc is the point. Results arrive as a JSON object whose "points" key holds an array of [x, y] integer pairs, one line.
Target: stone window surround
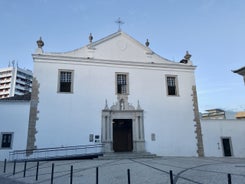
{"points": [[72, 80], [176, 84], [127, 79], [12, 138]]}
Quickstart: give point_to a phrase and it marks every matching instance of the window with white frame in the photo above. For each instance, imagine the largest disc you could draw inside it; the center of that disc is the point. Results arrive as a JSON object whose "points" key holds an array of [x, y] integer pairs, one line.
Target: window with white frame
{"points": [[6, 140], [172, 88], [65, 83], [122, 83]]}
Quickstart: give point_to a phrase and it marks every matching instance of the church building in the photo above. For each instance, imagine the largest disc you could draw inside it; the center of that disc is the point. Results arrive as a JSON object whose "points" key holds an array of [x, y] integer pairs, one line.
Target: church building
{"points": [[118, 92]]}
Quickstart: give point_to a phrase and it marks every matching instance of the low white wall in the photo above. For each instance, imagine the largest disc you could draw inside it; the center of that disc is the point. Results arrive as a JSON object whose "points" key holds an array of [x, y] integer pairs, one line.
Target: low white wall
{"points": [[14, 118], [214, 130]]}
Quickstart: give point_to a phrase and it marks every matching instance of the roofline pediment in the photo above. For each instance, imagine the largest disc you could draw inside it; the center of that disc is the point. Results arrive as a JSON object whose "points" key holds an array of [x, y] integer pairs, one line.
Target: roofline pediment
{"points": [[88, 51]]}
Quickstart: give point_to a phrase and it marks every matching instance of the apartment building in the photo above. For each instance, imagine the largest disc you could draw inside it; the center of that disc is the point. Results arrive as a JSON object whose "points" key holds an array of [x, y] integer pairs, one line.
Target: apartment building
{"points": [[14, 81]]}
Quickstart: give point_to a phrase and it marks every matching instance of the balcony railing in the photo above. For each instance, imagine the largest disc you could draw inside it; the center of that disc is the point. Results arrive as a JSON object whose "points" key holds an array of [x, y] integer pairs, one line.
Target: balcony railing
{"points": [[6, 80], [5, 74], [4, 86], [4, 92]]}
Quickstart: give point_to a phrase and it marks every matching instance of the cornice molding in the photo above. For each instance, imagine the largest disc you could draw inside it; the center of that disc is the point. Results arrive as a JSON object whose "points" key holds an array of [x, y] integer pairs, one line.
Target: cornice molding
{"points": [[102, 62]]}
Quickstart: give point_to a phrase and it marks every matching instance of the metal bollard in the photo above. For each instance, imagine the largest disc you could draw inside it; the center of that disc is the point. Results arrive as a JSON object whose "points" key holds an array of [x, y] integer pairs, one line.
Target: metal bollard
{"points": [[97, 175], [5, 165], [71, 174], [24, 174], [229, 178], [128, 176], [52, 174], [171, 177], [37, 170], [14, 167]]}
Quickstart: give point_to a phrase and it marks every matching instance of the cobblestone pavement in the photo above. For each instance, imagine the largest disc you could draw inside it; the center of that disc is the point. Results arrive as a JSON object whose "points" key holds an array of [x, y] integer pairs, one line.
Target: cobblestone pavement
{"points": [[186, 170], [4, 180]]}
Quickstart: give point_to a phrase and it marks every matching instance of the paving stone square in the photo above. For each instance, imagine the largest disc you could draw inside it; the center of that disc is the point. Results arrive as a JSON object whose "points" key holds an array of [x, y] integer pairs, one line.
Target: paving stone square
{"points": [[186, 170]]}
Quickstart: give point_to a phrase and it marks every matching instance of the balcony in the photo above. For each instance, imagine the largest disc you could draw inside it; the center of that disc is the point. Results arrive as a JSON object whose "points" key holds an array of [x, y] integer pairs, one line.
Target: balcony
{"points": [[4, 92], [4, 75], [20, 81], [20, 87], [18, 93], [4, 86], [6, 80], [23, 86]]}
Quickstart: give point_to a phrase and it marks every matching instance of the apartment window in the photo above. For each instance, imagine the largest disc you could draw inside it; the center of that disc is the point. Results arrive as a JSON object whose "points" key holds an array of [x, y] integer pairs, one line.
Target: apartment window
{"points": [[65, 81], [122, 83], [6, 140], [172, 85]]}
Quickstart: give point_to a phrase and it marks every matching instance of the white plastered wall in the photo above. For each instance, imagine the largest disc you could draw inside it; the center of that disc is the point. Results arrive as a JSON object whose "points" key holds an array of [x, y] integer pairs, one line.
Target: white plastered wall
{"points": [[68, 119], [214, 130], [14, 119]]}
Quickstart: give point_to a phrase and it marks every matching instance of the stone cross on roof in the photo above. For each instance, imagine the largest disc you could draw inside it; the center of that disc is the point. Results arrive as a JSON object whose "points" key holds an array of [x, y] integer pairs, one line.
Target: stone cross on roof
{"points": [[119, 22]]}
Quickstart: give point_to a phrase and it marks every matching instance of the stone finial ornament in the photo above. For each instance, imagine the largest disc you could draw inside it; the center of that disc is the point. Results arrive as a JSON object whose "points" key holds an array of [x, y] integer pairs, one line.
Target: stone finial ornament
{"points": [[90, 38], [40, 43], [106, 105], [138, 105], [187, 55], [186, 58], [147, 43]]}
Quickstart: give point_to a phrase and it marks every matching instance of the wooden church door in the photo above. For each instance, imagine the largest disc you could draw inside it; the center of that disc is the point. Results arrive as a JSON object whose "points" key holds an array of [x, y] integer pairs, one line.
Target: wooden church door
{"points": [[122, 135]]}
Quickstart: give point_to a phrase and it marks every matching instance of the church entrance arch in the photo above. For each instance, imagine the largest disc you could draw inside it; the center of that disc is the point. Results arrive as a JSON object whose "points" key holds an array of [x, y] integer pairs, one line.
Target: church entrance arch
{"points": [[122, 135], [122, 129]]}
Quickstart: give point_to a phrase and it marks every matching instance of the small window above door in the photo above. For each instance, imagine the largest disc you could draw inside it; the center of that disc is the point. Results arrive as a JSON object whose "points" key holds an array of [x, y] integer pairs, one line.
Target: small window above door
{"points": [[122, 84]]}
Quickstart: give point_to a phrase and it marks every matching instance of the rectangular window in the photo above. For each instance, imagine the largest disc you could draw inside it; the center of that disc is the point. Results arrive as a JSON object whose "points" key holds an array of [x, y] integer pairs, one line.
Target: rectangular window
{"points": [[65, 81], [6, 140], [122, 83], [172, 85], [91, 137], [153, 137]]}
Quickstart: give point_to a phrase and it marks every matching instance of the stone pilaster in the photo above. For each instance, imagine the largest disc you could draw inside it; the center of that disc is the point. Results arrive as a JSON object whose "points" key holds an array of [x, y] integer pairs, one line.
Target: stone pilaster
{"points": [[31, 136], [198, 131]]}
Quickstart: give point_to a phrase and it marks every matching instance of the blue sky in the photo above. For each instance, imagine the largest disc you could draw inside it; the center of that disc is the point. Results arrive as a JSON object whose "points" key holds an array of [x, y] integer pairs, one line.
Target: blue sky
{"points": [[213, 31]]}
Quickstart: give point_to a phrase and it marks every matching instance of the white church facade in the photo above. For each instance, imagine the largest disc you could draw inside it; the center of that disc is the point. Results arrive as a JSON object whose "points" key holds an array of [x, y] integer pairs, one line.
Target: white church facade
{"points": [[119, 93], [116, 91]]}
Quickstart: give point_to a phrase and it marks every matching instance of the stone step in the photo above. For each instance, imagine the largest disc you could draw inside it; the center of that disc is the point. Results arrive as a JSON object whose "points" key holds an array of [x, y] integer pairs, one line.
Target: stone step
{"points": [[126, 155]]}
